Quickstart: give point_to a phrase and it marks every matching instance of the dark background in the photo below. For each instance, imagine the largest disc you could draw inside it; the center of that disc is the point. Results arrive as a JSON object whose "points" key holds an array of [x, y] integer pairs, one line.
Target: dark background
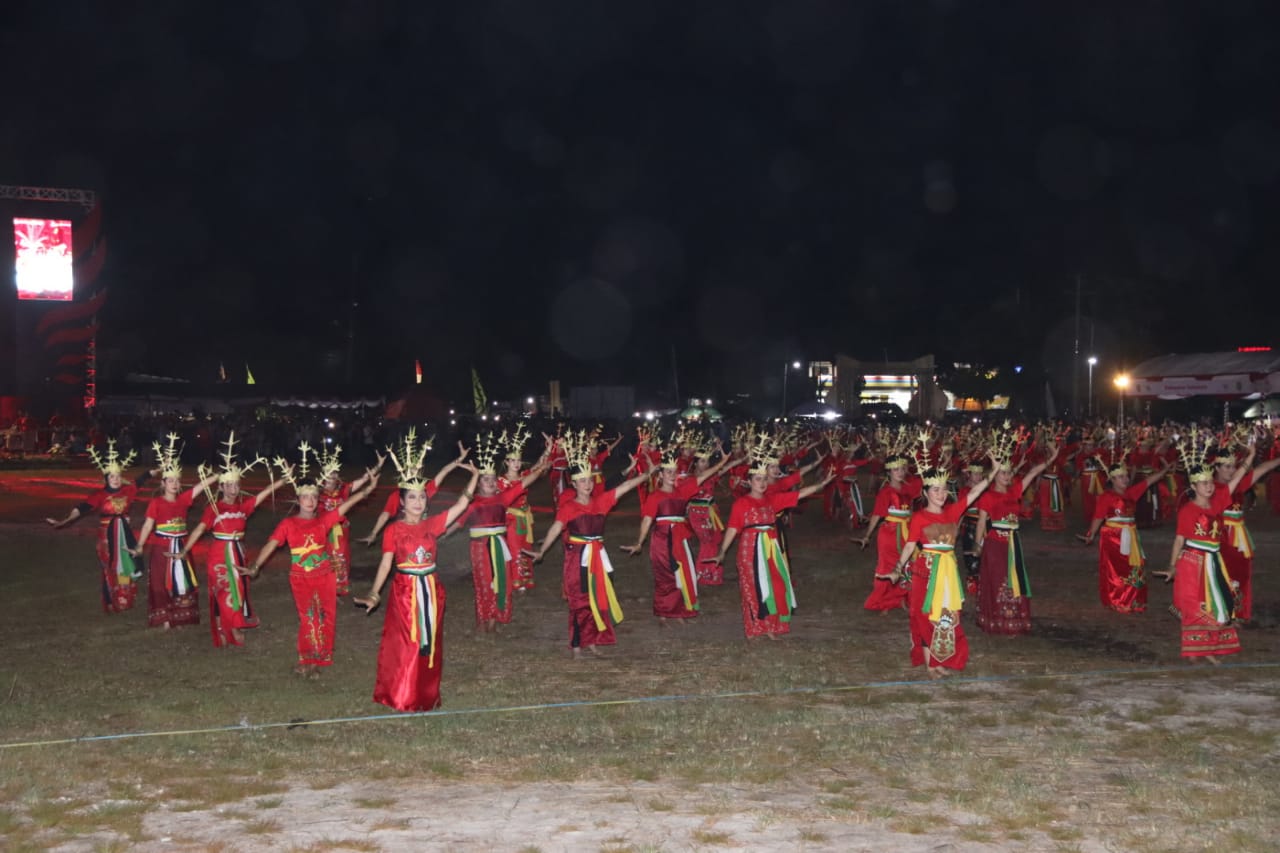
{"points": [[566, 190]]}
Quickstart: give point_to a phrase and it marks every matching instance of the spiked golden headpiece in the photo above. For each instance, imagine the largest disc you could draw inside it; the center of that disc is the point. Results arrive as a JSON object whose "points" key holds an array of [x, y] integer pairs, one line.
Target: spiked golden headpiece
{"points": [[1194, 450], [169, 456], [299, 477], [408, 459], [112, 463], [488, 448], [516, 441], [231, 472]]}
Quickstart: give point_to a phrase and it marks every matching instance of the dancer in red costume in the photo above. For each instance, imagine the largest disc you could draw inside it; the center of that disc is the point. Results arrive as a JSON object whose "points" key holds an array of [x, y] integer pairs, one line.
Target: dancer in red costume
{"points": [[226, 569], [705, 517], [1237, 543], [486, 520], [520, 539], [1092, 476], [893, 508], [936, 593], [334, 492], [764, 574], [1004, 589], [1202, 592], [1122, 577], [411, 654], [117, 565], [392, 507], [1054, 483], [593, 606], [311, 579], [675, 577], [172, 599]]}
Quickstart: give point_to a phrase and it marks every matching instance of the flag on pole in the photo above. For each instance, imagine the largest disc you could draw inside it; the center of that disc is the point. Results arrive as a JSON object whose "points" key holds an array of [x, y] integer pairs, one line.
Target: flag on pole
{"points": [[417, 371], [477, 391], [249, 380], [222, 372]]}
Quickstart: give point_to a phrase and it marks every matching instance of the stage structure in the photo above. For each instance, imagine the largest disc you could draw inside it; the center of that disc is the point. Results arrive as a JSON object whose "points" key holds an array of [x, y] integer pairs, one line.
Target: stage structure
{"points": [[50, 356]]}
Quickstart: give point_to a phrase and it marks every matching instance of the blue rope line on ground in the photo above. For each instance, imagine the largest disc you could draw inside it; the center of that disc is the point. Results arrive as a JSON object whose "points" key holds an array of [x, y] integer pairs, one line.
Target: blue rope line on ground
{"points": [[635, 700]]}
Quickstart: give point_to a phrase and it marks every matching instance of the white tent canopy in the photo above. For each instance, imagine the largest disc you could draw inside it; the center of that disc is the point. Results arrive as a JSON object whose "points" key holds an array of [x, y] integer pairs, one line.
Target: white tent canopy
{"points": [[1212, 374]]}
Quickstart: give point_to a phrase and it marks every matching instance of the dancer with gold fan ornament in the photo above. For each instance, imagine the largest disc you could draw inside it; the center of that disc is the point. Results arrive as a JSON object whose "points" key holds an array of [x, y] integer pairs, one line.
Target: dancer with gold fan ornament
{"points": [[411, 654], [115, 545], [1202, 593], [333, 492], [520, 540], [593, 605], [486, 518], [1122, 580], [764, 572], [311, 577], [1004, 589], [172, 596], [226, 569], [675, 572], [936, 594]]}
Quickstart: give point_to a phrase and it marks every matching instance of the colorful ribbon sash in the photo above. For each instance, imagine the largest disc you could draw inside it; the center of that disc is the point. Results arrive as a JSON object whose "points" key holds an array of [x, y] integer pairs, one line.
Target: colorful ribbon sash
{"points": [[1130, 542], [499, 557], [945, 591], [424, 621], [1216, 596], [1019, 583], [180, 578], [680, 556], [772, 575], [596, 569], [1241, 539]]}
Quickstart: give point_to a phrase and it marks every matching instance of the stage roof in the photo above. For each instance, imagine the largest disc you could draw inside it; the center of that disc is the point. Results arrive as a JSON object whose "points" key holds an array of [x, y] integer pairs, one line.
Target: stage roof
{"points": [[1207, 374]]}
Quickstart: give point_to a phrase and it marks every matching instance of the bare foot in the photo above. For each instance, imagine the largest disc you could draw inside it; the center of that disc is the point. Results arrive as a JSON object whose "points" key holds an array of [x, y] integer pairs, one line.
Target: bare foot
{"points": [[575, 653], [303, 669], [237, 635], [771, 636], [595, 650], [1213, 659]]}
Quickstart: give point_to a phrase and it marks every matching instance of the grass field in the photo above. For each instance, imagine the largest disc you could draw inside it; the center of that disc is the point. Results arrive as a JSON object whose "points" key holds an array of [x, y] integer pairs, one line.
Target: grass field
{"points": [[1090, 734]]}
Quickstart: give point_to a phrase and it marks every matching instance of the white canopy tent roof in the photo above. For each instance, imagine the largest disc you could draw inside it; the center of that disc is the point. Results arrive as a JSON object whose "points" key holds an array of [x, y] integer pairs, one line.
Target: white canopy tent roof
{"points": [[1212, 374]]}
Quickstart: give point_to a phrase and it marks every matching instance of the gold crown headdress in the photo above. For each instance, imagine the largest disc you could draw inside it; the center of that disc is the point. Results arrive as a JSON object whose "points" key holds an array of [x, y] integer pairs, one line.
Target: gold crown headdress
{"points": [[515, 442], [408, 459], [743, 435], [763, 452], [330, 462], [231, 472], [1004, 441], [299, 476], [930, 475], [169, 456], [488, 447], [112, 463], [1194, 450], [578, 449]]}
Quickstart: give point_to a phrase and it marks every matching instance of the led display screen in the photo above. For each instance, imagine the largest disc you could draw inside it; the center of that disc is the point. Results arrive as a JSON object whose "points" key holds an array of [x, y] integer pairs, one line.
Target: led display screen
{"points": [[43, 258]]}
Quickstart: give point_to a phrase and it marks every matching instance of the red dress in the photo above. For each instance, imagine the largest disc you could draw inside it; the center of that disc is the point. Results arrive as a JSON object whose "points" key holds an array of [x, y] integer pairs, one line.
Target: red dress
{"points": [[1122, 578], [1052, 517], [340, 536], [1148, 511], [709, 529], [936, 594], [593, 606], [675, 581], [315, 593], [171, 584], [1093, 482], [119, 569], [1237, 546], [894, 508], [1004, 591], [229, 606], [764, 575], [1201, 589], [411, 654], [491, 558], [519, 536]]}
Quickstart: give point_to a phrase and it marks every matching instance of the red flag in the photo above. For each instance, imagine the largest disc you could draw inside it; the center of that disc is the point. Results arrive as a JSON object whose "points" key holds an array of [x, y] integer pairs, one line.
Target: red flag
{"points": [[417, 371]]}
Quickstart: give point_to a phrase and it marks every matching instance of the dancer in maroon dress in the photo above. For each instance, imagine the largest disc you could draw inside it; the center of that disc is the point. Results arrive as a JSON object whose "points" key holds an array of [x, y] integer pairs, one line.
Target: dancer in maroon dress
{"points": [[1004, 589], [118, 568], [411, 654], [486, 519], [172, 599], [226, 569], [675, 578], [893, 508], [593, 605], [1237, 542]]}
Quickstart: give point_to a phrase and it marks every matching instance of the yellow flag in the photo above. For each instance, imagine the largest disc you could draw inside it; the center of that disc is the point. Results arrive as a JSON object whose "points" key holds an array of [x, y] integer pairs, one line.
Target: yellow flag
{"points": [[249, 380], [477, 391]]}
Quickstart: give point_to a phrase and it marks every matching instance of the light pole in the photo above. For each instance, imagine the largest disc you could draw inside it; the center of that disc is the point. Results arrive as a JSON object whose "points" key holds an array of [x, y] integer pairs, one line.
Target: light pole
{"points": [[786, 371], [1093, 360], [1122, 383]]}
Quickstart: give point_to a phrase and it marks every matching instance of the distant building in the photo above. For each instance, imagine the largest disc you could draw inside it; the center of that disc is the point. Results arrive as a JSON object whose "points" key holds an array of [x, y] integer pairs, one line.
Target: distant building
{"points": [[910, 385]]}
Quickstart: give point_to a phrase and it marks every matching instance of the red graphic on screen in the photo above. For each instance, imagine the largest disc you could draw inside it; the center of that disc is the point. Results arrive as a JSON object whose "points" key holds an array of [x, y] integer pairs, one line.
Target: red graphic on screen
{"points": [[43, 265]]}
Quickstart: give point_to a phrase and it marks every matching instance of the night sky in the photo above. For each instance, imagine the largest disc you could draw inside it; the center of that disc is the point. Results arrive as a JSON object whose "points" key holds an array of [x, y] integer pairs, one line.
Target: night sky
{"points": [[551, 189]]}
